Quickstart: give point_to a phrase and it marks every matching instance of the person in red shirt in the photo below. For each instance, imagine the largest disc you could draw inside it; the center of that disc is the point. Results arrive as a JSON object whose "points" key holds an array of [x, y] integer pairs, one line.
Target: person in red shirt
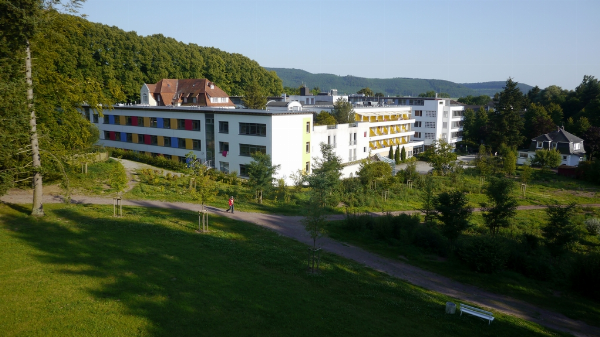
{"points": [[230, 205]]}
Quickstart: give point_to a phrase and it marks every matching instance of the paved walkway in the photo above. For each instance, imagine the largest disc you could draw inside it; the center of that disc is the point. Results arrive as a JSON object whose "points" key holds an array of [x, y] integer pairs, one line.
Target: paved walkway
{"points": [[290, 226]]}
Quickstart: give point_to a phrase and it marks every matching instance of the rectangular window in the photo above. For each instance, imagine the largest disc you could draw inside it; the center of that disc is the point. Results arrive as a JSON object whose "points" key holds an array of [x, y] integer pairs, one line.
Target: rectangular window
{"points": [[181, 124], [140, 121], [307, 147], [223, 147], [457, 113], [128, 120], [167, 123], [223, 127], [445, 125], [564, 157], [430, 125], [458, 124], [118, 136], [522, 154], [430, 113], [419, 113], [253, 129], [445, 114], [195, 125], [576, 146], [181, 143], [95, 118], [196, 145], [540, 145], [243, 170], [106, 135], [247, 150], [418, 124], [153, 140], [129, 138], [106, 119], [457, 134], [307, 167], [429, 135], [167, 142], [307, 127], [417, 135], [224, 166], [153, 122]]}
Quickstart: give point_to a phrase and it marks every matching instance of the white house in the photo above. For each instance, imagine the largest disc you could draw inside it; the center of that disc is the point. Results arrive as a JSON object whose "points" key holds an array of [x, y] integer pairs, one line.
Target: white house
{"points": [[569, 146]]}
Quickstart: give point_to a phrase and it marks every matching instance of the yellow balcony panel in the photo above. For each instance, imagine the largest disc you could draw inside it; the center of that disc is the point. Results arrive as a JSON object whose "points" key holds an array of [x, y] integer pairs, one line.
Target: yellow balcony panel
{"points": [[160, 140], [188, 144], [147, 122]]}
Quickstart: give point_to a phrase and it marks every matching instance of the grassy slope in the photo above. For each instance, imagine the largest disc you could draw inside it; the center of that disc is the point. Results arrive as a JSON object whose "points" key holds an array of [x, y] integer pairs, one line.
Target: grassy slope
{"points": [[78, 271], [545, 294]]}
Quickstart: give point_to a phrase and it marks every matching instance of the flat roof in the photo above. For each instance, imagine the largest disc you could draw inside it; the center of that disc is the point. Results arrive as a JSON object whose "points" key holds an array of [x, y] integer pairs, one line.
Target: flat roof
{"points": [[191, 109]]}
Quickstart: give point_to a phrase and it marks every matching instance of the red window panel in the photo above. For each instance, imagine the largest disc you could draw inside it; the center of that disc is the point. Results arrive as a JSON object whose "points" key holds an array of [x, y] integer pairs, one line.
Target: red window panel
{"points": [[134, 120], [147, 139], [112, 135], [365, 133], [188, 124]]}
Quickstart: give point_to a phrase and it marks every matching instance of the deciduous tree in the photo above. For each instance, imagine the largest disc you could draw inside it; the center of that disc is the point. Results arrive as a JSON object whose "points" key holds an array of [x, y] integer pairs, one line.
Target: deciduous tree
{"points": [[453, 212], [254, 97], [501, 205], [261, 173], [560, 231], [325, 118], [547, 159], [343, 111]]}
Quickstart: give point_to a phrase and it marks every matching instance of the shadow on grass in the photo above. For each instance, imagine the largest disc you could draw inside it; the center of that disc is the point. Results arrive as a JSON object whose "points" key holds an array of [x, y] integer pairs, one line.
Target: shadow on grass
{"points": [[236, 280]]}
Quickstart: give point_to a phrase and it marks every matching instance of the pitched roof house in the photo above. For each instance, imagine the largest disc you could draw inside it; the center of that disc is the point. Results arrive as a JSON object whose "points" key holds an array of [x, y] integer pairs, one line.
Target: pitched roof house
{"points": [[569, 146], [197, 92]]}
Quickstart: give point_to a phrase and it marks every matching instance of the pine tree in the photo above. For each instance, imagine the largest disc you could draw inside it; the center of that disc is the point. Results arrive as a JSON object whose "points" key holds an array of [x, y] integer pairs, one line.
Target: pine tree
{"points": [[397, 155], [391, 154], [403, 154]]}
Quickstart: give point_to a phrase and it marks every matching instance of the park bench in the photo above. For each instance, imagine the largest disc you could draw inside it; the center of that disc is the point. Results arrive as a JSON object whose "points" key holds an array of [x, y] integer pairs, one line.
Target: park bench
{"points": [[476, 312]]}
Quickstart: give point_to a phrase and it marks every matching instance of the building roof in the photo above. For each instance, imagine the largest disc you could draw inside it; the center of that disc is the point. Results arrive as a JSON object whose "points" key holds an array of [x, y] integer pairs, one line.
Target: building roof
{"points": [[558, 136], [280, 104], [174, 90]]}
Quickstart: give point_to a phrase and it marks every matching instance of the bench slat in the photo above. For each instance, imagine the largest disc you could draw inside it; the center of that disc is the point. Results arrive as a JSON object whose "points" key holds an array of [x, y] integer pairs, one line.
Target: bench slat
{"points": [[477, 312]]}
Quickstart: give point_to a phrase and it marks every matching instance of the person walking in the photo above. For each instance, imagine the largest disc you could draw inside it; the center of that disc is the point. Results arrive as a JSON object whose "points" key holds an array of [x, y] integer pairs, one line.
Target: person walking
{"points": [[230, 205]]}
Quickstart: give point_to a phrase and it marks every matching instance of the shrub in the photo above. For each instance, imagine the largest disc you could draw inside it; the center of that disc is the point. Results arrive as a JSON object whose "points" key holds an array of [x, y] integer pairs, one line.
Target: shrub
{"points": [[585, 275], [593, 226], [430, 239], [536, 266], [485, 254]]}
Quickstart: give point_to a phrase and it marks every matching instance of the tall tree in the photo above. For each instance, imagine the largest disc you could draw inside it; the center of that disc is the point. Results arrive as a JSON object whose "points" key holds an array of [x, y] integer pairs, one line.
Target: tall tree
{"points": [[501, 205], [537, 122], [403, 154], [453, 211], [324, 118], [560, 231], [343, 111], [391, 153], [592, 142], [397, 154], [505, 124], [440, 156], [427, 198], [254, 98], [366, 91], [261, 172], [325, 176]]}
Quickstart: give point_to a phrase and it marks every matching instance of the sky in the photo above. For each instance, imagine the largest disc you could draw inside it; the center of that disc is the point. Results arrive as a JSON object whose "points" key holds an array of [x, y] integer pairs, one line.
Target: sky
{"points": [[536, 42]]}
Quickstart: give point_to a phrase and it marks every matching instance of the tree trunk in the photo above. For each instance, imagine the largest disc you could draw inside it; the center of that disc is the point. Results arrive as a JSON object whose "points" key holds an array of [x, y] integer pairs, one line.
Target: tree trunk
{"points": [[38, 207]]}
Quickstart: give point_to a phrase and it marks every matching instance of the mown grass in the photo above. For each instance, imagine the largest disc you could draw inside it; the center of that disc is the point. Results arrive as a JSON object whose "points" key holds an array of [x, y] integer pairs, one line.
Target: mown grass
{"points": [[96, 181], [554, 295], [79, 271]]}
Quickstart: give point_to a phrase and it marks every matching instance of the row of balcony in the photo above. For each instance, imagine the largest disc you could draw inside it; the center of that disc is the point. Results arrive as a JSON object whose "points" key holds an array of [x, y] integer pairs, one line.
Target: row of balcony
{"points": [[388, 130], [384, 118], [385, 143]]}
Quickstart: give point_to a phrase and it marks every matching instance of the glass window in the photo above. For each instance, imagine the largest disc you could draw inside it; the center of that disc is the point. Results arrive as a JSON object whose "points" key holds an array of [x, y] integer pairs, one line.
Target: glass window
{"points": [[129, 137], [247, 150], [253, 129], [95, 118], [167, 141], [196, 144], [223, 127], [166, 123], [223, 146], [196, 125], [153, 140], [181, 124], [307, 127], [307, 167], [153, 122], [181, 143], [224, 166], [105, 119], [106, 135], [307, 147], [118, 136], [243, 170]]}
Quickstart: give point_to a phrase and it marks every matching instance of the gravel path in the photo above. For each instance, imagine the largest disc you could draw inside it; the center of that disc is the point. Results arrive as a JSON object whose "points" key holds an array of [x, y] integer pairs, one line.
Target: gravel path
{"points": [[290, 226]]}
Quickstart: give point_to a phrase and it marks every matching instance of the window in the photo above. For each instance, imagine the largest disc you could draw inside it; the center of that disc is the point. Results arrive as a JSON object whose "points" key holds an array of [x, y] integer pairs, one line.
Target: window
{"points": [[418, 124], [417, 135], [458, 124], [224, 166], [253, 129], [457, 134], [430, 113], [445, 114], [196, 145], [219, 99], [564, 157], [430, 125], [105, 119], [576, 146], [243, 170], [223, 146], [429, 135], [128, 120], [445, 125], [181, 143], [247, 150], [307, 167], [195, 125], [419, 113], [223, 127], [140, 121], [457, 113], [540, 145], [522, 154], [106, 135], [167, 141], [129, 137], [118, 136], [166, 123], [153, 140], [441, 103], [181, 124], [95, 118], [307, 127], [307, 147], [153, 122]]}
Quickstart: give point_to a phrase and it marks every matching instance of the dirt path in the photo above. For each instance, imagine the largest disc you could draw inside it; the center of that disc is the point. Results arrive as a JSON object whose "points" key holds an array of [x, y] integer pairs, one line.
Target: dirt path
{"points": [[290, 226]]}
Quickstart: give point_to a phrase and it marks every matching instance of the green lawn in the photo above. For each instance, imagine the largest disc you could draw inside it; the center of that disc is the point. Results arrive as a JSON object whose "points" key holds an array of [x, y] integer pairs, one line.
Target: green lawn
{"points": [[552, 295], [79, 271]]}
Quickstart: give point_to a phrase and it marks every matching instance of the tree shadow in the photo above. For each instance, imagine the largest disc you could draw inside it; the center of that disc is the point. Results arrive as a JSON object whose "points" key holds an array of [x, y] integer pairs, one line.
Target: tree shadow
{"points": [[237, 280]]}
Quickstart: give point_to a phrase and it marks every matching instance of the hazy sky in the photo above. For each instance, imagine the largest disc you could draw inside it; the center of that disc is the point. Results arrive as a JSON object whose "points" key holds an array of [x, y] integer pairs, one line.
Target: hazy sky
{"points": [[537, 42]]}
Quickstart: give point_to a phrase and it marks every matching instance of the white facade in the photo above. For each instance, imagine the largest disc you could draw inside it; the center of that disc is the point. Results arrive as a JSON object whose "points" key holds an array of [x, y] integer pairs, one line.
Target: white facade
{"points": [[286, 135]]}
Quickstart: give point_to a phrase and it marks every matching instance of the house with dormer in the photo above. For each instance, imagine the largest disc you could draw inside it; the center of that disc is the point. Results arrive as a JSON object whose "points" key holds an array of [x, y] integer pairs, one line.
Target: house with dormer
{"points": [[187, 92], [569, 146]]}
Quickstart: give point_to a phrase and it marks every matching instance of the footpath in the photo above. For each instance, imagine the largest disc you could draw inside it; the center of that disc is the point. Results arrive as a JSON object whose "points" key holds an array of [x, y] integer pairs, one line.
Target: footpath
{"points": [[292, 227]]}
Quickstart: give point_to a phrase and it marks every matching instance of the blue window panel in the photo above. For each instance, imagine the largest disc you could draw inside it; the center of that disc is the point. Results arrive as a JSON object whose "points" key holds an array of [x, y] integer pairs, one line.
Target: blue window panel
{"points": [[111, 119], [160, 123], [123, 136], [174, 142]]}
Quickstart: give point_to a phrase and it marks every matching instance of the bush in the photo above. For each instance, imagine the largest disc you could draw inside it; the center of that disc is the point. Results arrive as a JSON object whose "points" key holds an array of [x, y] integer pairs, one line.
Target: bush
{"points": [[593, 226], [158, 161], [431, 240], [536, 266], [485, 254], [585, 275]]}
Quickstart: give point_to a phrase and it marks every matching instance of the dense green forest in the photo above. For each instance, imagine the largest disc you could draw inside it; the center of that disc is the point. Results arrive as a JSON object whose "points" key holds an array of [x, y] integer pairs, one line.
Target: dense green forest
{"points": [[391, 86]]}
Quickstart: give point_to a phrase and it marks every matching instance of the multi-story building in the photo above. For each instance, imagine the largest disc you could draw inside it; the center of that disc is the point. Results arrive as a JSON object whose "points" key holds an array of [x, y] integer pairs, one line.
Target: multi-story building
{"points": [[434, 118]]}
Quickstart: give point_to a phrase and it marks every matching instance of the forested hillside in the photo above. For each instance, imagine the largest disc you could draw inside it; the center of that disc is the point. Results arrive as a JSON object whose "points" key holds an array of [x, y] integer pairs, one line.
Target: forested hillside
{"points": [[124, 60], [387, 86]]}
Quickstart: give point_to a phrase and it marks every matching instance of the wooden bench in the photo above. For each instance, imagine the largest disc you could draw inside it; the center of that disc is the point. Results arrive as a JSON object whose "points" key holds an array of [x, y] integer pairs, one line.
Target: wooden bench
{"points": [[476, 312]]}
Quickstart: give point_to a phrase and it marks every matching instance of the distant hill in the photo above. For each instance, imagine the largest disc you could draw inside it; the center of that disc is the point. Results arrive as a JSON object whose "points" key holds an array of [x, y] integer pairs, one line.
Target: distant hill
{"points": [[388, 86]]}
